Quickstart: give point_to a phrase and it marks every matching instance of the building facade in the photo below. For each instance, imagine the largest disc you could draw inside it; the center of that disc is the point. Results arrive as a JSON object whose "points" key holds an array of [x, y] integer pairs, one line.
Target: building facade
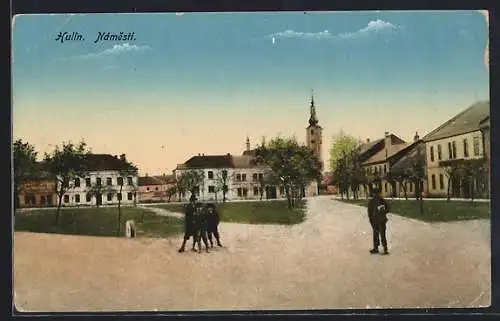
{"points": [[38, 192], [156, 189], [453, 147], [101, 186], [314, 140]]}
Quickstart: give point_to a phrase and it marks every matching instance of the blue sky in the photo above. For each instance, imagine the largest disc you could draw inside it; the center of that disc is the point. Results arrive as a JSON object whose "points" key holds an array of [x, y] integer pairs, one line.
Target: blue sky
{"points": [[201, 82]]}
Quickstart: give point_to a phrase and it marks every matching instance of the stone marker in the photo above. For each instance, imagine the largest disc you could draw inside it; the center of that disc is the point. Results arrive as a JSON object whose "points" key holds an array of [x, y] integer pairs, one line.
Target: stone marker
{"points": [[130, 228]]}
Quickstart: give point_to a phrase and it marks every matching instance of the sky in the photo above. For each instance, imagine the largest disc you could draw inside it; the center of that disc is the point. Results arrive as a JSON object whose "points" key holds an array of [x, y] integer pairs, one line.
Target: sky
{"points": [[195, 83]]}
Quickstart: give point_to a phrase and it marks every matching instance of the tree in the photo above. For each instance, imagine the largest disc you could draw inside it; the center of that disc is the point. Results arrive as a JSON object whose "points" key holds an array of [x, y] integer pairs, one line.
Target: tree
{"points": [[66, 163], [221, 184], [191, 180], [342, 146], [24, 156], [171, 191], [292, 164], [266, 179], [127, 169], [452, 173]]}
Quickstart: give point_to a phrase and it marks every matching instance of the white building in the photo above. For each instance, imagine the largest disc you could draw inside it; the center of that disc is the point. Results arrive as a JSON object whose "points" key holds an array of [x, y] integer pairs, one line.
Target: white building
{"points": [[101, 185], [242, 178]]}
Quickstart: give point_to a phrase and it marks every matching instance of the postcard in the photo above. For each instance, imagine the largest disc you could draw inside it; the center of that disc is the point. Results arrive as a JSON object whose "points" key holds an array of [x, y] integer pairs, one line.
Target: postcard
{"points": [[263, 161]]}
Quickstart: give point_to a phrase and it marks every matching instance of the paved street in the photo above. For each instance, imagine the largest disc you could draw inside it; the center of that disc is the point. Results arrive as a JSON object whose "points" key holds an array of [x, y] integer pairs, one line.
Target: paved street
{"points": [[322, 263]]}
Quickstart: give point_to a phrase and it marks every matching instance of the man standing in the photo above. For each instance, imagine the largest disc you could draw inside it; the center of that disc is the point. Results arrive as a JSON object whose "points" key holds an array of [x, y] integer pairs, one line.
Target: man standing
{"points": [[213, 224], [377, 213], [189, 224]]}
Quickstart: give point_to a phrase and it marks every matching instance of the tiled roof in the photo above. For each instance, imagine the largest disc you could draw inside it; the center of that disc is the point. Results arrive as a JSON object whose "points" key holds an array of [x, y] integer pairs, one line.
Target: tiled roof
{"points": [[385, 153], [166, 179], [150, 180], [407, 160], [466, 121], [102, 162], [208, 161]]}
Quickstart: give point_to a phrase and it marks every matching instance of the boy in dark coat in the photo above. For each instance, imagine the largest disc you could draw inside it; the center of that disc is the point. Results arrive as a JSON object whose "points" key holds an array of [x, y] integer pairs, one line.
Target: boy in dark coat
{"points": [[377, 214], [189, 224], [201, 226], [213, 224]]}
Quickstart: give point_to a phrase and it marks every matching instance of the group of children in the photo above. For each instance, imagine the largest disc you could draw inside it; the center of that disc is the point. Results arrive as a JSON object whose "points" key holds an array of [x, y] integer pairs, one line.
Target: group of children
{"points": [[201, 223]]}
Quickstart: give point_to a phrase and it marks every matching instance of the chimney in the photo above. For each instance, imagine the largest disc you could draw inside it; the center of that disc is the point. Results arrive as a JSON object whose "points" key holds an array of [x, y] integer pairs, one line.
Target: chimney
{"points": [[368, 140], [416, 137], [387, 139]]}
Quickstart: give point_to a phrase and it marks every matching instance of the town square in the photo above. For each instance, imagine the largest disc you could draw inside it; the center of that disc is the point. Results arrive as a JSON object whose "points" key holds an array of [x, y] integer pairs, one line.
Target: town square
{"points": [[323, 161]]}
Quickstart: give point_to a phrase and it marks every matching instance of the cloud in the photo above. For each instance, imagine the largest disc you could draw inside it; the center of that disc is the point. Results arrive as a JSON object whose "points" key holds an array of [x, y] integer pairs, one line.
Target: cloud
{"points": [[374, 26], [115, 50], [306, 35]]}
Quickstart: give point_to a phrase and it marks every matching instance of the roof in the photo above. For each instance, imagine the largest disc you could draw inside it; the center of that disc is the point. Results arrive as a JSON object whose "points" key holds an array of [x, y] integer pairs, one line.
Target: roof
{"points": [[150, 180], [208, 161], [386, 153], [166, 179], [466, 121], [102, 162], [407, 160], [485, 123], [363, 148], [244, 161]]}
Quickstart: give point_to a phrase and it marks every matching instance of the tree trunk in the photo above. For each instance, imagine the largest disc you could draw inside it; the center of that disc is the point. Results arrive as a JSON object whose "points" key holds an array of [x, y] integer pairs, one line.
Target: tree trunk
{"points": [[448, 189], [58, 210], [471, 189], [119, 212]]}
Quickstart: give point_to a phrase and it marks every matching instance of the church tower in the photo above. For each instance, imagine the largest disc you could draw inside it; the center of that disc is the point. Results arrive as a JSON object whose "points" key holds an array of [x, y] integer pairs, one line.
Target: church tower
{"points": [[314, 135]]}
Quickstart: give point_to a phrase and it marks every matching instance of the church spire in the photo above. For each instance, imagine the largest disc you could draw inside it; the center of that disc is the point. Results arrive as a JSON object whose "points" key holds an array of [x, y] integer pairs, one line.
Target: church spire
{"points": [[313, 120], [248, 143]]}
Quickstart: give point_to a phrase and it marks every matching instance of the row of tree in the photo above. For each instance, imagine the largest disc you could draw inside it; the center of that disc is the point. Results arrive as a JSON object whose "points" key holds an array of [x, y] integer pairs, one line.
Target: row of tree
{"points": [[349, 176]]}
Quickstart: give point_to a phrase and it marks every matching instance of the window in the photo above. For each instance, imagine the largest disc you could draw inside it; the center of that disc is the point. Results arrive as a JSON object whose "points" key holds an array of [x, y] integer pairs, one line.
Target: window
{"points": [[313, 141], [224, 173], [130, 181], [211, 189], [129, 196], [312, 131], [98, 181], [476, 146], [119, 181], [49, 199], [66, 198], [432, 153], [441, 181], [433, 181], [30, 199], [411, 187], [245, 191], [450, 154], [87, 182], [254, 177], [109, 181], [77, 198], [238, 177], [380, 169], [240, 191], [42, 200], [77, 182], [89, 198], [255, 190], [385, 169], [210, 175], [466, 148], [147, 188], [439, 152], [454, 149], [261, 176], [385, 188], [244, 177], [156, 188], [110, 197], [119, 196]]}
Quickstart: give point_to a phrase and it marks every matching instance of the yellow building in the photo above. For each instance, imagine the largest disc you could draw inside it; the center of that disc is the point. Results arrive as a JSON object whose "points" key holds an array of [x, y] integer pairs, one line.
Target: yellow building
{"points": [[457, 142]]}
